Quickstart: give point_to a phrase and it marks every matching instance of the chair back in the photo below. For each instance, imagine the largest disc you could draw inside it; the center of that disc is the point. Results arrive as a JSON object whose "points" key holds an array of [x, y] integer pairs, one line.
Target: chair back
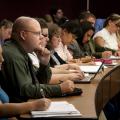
{"points": [[108, 87]]}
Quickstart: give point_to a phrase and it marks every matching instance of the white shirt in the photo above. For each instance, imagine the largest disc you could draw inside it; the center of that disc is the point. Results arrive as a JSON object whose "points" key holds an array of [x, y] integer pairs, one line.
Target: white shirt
{"points": [[110, 39], [35, 60], [63, 52]]}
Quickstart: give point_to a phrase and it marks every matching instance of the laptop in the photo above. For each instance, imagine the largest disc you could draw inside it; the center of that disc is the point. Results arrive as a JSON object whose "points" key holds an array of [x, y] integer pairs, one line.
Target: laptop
{"points": [[89, 78], [91, 68]]}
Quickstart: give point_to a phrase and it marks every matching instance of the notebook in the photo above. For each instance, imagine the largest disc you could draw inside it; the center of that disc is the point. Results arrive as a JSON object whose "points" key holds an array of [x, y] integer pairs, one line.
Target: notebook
{"points": [[57, 109], [89, 78]]}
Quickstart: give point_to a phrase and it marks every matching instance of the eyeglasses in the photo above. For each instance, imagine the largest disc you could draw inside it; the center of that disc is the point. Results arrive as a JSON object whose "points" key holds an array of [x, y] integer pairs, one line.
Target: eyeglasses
{"points": [[45, 35], [35, 33]]}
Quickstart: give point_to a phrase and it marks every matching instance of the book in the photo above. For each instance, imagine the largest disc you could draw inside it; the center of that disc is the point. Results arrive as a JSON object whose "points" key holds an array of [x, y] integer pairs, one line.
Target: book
{"points": [[62, 108]]}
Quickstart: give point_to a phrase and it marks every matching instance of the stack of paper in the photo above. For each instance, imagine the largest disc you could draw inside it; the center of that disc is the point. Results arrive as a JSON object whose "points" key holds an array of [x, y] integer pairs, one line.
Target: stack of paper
{"points": [[115, 57], [57, 109]]}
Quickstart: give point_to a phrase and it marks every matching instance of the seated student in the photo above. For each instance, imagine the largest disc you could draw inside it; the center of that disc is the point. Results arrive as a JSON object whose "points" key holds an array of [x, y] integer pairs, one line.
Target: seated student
{"points": [[59, 72], [5, 30], [106, 38], [83, 18], [87, 16], [75, 50], [48, 19], [86, 43], [59, 41], [20, 76], [69, 32], [57, 15], [53, 44], [12, 109]]}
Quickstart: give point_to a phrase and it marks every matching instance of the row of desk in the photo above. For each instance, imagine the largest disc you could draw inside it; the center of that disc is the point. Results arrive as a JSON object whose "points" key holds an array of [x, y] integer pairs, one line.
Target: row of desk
{"points": [[86, 102]]}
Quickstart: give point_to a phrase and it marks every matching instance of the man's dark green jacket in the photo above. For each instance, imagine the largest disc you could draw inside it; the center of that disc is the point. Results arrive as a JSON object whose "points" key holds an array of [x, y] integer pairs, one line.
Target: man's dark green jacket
{"points": [[21, 82]]}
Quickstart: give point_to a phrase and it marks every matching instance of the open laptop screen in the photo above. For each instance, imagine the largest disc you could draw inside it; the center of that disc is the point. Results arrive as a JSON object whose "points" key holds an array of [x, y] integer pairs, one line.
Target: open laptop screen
{"points": [[88, 79], [91, 68]]}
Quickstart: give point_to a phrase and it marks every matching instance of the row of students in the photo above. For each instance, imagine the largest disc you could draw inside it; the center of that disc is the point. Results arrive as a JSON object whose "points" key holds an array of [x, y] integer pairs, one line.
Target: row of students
{"points": [[21, 34], [18, 71]]}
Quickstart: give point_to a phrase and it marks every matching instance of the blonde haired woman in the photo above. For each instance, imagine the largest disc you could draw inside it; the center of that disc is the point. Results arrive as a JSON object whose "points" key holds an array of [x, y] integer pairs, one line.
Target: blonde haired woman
{"points": [[106, 39]]}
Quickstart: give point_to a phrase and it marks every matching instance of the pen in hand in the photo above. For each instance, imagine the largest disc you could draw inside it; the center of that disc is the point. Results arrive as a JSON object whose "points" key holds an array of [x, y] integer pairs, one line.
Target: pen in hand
{"points": [[42, 93]]}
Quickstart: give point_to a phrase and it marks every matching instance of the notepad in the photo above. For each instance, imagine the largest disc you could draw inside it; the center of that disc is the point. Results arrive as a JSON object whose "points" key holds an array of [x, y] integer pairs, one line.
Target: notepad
{"points": [[61, 108]]}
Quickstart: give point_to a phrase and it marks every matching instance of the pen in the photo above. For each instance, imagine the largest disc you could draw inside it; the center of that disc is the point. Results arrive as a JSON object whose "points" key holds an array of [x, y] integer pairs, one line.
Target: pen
{"points": [[103, 68], [42, 93]]}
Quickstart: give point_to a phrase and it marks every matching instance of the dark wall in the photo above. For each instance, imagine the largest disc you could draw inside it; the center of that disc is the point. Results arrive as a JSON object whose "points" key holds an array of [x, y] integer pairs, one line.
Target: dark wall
{"points": [[103, 8], [12, 9]]}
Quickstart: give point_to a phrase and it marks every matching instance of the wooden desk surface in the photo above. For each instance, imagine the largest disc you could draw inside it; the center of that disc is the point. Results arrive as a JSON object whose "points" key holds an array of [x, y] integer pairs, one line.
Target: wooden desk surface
{"points": [[86, 102]]}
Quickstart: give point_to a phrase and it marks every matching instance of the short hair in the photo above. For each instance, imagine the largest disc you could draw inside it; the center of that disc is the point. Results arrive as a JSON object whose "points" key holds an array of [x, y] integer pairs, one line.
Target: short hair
{"points": [[48, 18], [21, 23], [85, 26], [85, 15], [54, 29], [42, 22], [71, 27], [6, 23]]}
